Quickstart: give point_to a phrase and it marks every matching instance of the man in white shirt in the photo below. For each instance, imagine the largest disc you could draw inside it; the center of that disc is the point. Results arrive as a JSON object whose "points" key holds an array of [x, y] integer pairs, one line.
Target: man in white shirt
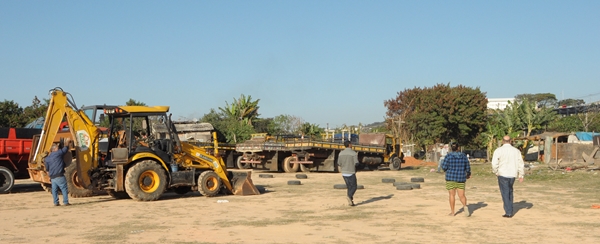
{"points": [[507, 164]]}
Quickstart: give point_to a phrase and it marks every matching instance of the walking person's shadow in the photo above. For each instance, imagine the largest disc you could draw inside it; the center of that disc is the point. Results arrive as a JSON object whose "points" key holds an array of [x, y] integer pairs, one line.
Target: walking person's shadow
{"points": [[473, 207], [374, 199], [521, 205]]}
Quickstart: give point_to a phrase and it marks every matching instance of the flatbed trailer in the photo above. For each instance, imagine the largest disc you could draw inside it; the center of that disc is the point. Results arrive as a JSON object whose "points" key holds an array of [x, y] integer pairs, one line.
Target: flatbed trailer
{"points": [[291, 155]]}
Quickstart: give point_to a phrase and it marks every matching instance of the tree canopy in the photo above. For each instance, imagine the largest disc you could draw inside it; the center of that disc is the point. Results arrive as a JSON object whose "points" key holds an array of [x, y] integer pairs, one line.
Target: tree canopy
{"points": [[440, 114]]}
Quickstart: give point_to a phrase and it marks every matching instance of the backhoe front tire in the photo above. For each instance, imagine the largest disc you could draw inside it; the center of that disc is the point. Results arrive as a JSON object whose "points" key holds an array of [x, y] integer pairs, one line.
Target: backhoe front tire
{"points": [[76, 190], [7, 180], [289, 167], [146, 181], [209, 183]]}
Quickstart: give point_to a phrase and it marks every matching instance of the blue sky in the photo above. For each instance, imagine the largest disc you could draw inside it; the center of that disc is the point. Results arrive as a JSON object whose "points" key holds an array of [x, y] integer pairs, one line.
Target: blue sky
{"points": [[328, 62]]}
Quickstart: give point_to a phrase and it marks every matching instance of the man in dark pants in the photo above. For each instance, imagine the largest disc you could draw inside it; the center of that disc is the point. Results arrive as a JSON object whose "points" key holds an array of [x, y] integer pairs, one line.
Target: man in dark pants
{"points": [[347, 160], [507, 164], [55, 165]]}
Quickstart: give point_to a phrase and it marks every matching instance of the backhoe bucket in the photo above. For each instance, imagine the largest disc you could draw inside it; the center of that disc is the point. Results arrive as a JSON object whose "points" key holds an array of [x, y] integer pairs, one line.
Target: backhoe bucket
{"points": [[241, 182]]}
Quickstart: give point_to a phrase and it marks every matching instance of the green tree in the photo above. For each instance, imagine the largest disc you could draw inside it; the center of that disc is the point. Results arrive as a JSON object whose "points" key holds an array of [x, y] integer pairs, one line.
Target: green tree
{"points": [[287, 124], [311, 130], [132, 102], [534, 118], [11, 114], [242, 109], [566, 124], [571, 102], [36, 110], [542, 100], [237, 118], [441, 113]]}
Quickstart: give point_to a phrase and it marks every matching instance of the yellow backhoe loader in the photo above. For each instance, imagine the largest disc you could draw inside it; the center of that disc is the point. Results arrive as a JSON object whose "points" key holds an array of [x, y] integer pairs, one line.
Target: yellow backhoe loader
{"points": [[142, 158]]}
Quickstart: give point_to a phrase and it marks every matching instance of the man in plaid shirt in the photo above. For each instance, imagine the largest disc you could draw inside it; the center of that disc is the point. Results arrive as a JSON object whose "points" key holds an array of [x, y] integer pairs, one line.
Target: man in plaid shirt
{"points": [[458, 170]]}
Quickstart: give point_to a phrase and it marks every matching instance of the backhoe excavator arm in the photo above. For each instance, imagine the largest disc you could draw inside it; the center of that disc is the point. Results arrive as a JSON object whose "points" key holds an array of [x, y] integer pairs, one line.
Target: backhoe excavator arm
{"points": [[81, 128]]}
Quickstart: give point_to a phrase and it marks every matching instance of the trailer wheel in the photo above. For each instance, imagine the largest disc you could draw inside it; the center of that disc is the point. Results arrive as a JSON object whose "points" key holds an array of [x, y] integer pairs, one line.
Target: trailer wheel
{"points": [[209, 183], [146, 181], [241, 165], [75, 188], [118, 194], [304, 168], [396, 163], [290, 167], [7, 180]]}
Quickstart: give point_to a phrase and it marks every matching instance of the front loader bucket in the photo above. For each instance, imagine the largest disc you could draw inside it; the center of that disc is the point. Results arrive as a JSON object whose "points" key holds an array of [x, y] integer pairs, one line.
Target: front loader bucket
{"points": [[241, 182]]}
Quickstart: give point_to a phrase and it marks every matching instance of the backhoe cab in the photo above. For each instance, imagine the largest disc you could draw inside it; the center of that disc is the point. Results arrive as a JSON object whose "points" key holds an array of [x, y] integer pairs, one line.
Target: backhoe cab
{"points": [[143, 156]]}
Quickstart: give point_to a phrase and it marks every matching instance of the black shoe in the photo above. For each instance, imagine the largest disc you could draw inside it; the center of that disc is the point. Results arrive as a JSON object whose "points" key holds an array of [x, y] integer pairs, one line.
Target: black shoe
{"points": [[56, 205], [507, 216]]}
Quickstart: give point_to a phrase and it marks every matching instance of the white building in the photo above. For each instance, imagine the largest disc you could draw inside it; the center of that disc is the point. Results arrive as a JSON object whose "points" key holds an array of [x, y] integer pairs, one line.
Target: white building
{"points": [[499, 103]]}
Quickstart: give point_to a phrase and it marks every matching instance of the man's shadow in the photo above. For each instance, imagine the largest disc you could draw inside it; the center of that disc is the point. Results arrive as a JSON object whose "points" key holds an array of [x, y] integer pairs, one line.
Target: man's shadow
{"points": [[374, 199], [521, 205], [473, 207]]}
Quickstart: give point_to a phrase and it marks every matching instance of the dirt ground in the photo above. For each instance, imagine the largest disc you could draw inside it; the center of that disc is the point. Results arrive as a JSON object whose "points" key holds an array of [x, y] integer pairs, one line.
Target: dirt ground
{"points": [[313, 212]]}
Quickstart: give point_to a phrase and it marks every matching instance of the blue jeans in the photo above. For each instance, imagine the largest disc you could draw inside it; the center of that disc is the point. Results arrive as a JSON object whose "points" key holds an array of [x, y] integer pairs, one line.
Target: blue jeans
{"points": [[351, 185], [506, 189], [60, 182]]}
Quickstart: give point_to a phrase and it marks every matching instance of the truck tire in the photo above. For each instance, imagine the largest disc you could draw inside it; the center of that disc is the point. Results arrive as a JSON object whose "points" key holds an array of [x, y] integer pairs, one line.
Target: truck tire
{"points": [[294, 182], [209, 183], [290, 167], [404, 187], [146, 181], [388, 180], [417, 179], [343, 186], [304, 168], [76, 190], [118, 194], [301, 176], [401, 183], [7, 180], [395, 163], [241, 165]]}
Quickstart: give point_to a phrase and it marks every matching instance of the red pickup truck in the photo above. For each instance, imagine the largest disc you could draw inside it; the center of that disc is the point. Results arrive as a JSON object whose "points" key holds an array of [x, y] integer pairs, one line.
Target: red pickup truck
{"points": [[15, 145]]}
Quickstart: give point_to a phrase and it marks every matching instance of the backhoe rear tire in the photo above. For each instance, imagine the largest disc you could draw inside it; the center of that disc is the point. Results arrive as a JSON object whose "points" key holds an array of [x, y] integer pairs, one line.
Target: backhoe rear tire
{"points": [[76, 190], [7, 180], [209, 183], [146, 181], [289, 167]]}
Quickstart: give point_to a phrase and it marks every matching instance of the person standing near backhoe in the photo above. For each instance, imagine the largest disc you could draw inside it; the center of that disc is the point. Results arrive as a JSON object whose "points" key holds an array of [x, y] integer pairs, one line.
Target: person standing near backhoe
{"points": [[348, 159], [55, 165], [507, 164]]}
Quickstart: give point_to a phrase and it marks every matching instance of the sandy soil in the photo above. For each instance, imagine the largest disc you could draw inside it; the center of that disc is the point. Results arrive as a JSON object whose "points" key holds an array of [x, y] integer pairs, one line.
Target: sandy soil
{"points": [[313, 212]]}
